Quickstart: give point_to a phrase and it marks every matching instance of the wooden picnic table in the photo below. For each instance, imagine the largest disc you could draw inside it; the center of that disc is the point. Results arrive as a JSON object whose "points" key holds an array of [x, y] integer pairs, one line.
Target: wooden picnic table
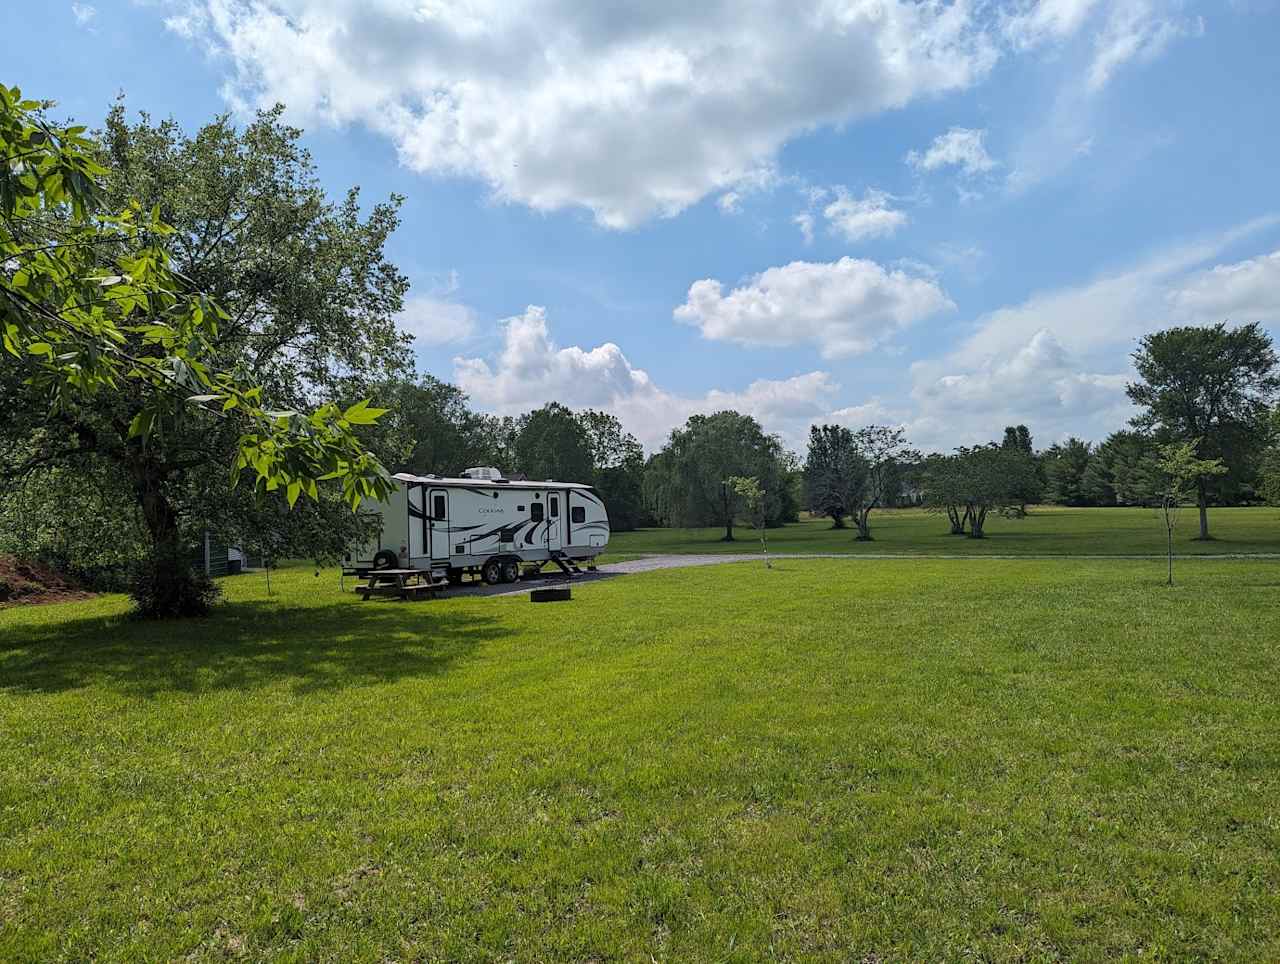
{"points": [[404, 583]]}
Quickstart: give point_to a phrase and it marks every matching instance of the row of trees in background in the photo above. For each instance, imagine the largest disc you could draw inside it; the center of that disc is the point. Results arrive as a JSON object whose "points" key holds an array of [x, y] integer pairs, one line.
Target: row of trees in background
{"points": [[158, 289], [1206, 397], [1213, 387]]}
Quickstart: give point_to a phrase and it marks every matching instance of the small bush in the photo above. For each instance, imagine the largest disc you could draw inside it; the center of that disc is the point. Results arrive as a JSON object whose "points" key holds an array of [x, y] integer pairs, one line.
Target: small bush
{"points": [[165, 588]]}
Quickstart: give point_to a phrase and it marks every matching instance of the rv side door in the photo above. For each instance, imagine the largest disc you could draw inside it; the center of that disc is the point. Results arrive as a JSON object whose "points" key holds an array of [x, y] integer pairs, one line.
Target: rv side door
{"points": [[555, 521], [437, 511]]}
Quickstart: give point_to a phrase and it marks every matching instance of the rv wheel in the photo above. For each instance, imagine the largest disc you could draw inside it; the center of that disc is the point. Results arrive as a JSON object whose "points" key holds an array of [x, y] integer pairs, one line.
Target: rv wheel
{"points": [[491, 572], [385, 559], [510, 571]]}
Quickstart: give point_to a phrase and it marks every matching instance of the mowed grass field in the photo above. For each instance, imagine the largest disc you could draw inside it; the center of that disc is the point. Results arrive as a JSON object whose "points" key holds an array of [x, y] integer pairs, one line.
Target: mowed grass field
{"points": [[1047, 530], [841, 760]]}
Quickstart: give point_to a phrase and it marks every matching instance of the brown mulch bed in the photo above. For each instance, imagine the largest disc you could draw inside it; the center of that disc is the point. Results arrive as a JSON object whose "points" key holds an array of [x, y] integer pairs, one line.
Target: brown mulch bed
{"points": [[24, 582]]}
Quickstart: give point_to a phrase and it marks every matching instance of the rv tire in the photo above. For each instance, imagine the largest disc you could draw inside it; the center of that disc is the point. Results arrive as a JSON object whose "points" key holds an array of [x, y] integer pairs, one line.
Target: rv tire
{"points": [[386, 559], [491, 572], [510, 571]]}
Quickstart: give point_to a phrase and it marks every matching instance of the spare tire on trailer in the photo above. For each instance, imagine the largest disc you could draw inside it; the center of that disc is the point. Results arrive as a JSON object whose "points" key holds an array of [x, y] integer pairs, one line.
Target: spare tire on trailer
{"points": [[553, 594], [385, 559]]}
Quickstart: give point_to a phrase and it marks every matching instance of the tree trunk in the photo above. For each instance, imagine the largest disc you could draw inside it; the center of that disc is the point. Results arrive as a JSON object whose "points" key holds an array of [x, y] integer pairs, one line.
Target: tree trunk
{"points": [[837, 520], [728, 530], [863, 520], [956, 520], [1202, 503], [977, 519], [165, 588]]}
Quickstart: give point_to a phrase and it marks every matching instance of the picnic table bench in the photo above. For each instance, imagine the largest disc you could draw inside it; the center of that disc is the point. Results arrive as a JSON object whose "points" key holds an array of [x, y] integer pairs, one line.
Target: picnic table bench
{"points": [[403, 583]]}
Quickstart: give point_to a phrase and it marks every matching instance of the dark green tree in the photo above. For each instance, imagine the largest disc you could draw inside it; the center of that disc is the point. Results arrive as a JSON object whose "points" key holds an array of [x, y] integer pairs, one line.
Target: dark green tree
{"points": [[973, 482], [831, 471], [1212, 384], [1017, 438], [688, 482], [1065, 465], [552, 444], [617, 472], [431, 430]]}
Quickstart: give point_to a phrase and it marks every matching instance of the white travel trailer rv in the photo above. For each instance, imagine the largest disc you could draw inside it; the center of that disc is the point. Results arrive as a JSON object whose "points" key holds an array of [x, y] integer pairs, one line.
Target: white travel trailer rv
{"points": [[485, 524]]}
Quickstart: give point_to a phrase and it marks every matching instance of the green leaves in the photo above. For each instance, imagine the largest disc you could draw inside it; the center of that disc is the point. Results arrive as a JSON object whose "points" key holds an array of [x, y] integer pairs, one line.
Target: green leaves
{"points": [[90, 303], [361, 414]]}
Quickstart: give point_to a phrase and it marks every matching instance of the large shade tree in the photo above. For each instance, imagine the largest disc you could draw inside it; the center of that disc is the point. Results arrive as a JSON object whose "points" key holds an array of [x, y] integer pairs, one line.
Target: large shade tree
{"points": [[832, 469], [129, 356], [1212, 386], [688, 481], [972, 482], [552, 444], [617, 468]]}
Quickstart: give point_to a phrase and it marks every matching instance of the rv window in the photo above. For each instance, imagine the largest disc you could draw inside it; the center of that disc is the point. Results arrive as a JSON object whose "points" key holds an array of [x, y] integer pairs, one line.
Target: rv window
{"points": [[555, 507], [579, 514], [535, 512], [438, 510], [519, 508]]}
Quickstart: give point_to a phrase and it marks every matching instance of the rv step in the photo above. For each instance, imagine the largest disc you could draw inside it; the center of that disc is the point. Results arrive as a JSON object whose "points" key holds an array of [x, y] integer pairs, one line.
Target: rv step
{"points": [[568, 566]]}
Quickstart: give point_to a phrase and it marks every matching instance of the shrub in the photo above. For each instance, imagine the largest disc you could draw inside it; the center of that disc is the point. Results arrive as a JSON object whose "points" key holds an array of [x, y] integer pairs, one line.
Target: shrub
{"points": [[158, 595]]}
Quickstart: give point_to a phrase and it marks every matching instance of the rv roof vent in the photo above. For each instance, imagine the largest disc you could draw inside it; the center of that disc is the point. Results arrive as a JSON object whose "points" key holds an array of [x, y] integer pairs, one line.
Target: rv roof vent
{"points": [[482, 472]]}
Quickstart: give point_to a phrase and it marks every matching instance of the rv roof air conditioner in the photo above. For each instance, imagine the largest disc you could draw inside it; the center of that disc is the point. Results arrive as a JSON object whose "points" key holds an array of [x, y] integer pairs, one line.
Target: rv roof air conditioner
{"points": [[487, 472]]}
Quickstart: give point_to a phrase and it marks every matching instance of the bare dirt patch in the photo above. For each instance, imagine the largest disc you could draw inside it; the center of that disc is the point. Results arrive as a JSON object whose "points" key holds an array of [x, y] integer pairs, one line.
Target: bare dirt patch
{"points": [[24, 582]]}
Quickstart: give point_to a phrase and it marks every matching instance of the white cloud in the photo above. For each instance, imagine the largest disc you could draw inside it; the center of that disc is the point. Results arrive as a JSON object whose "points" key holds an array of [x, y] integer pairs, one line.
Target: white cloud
{"points": [[1242, 292], [960, 147], [436, 321], [859, 220], [845, 307], [730, 202], [531, 370], [1059, 360], [83, 13], [1039, 21], [1108, 311], [804, 221], [1039, 383], [1130, 30], [630, 111], [1135, 30]]}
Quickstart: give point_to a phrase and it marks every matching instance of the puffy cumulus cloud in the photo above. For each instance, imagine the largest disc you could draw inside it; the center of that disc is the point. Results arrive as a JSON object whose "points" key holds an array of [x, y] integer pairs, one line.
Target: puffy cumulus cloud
{"points": [[845, 307], [1243, 292], [1040, 383], [959, 147], [631, 111], [861, 219], [530, 370]]}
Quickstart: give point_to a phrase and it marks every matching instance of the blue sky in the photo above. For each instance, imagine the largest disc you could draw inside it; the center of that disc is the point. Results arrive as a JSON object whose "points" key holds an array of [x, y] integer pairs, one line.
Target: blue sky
{"points": [[949, 216]]}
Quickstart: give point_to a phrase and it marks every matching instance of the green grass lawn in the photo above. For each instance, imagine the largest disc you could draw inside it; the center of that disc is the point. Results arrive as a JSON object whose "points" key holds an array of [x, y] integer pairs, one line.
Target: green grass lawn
{"points": [[1047, 530], [843, 760]]}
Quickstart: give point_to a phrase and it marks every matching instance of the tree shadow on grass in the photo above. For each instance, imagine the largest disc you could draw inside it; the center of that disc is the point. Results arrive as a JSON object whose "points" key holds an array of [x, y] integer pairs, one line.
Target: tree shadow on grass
{"points": [[244, 646]]}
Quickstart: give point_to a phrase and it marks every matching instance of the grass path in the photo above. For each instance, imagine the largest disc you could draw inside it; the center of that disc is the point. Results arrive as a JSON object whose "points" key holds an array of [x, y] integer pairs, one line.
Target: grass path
{"points": [[912, 760]]}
